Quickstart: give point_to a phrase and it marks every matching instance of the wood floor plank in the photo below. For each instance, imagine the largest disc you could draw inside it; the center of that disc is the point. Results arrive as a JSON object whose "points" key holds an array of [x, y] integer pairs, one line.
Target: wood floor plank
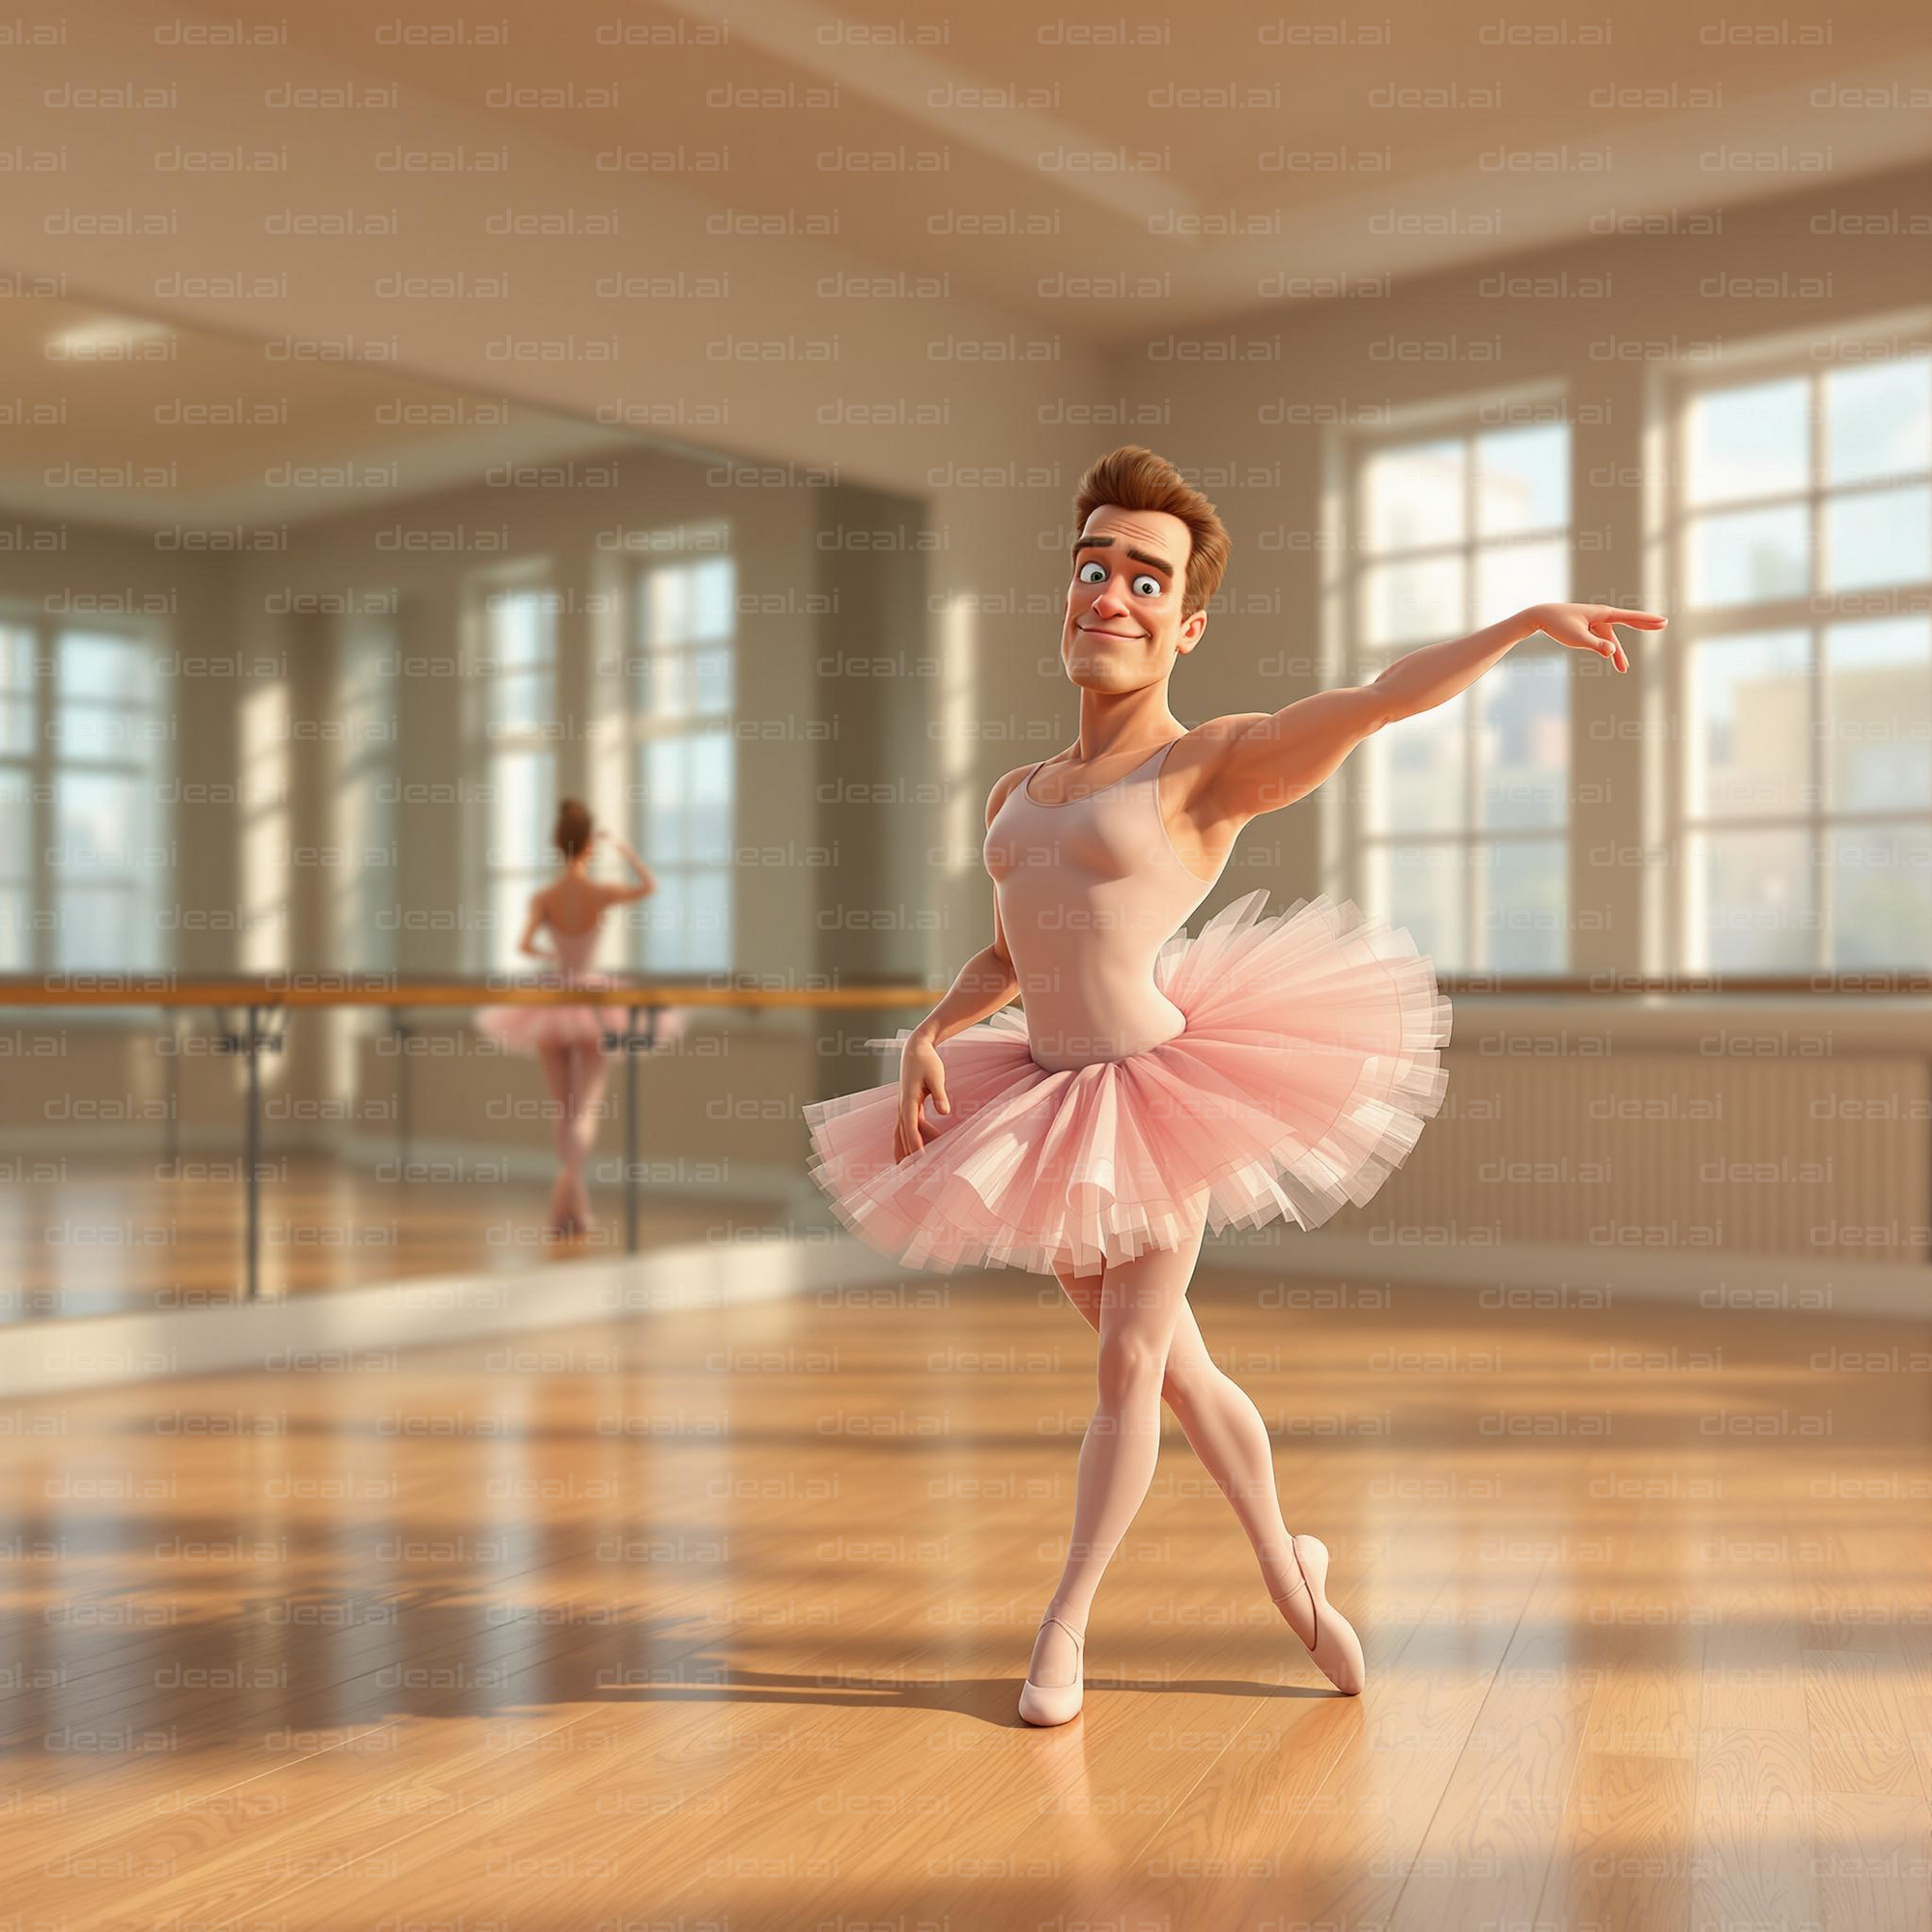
{"points": [[725, 1613], [1861, 1736], [1872, 1864], [1626, 1854], [1649, 1699], [1756, 1833], [1754, 1859], [1490, 1845]]}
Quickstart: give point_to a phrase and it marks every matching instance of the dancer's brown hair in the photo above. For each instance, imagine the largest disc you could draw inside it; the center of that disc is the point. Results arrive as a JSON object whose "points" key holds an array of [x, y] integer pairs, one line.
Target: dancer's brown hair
{"points": [[1134, 479], [573, 827]]}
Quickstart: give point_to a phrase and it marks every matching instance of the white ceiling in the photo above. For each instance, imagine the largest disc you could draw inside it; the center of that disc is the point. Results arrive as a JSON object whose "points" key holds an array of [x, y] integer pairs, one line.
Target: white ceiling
{"points": [[1238, 158], [1311, 150], [150, 425]]}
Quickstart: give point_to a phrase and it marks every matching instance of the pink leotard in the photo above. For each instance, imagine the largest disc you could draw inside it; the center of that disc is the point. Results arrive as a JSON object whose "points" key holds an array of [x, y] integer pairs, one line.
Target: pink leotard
{"points": [[1266, 1066], [575, 952], [1089, 891]]}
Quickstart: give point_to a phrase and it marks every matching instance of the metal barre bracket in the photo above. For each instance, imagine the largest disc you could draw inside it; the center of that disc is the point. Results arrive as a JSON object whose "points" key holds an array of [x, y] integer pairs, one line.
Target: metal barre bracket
{"points": [[256, 1039]]}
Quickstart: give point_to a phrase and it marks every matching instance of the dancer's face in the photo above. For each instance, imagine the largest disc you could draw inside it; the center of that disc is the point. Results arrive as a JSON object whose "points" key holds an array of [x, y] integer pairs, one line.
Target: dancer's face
{"points": [[1123, 626]]}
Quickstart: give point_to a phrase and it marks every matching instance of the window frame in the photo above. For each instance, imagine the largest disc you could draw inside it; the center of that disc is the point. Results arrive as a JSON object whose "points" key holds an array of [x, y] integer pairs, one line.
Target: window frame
{"points": [[682, 546], [43, 768], [492, 950], [363, 775], [1354, 852], [1812, 611]]}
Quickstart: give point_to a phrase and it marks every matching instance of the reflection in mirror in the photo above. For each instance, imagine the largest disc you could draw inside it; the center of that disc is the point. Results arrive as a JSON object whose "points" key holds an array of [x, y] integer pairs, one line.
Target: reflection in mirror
{"points": [[301, 661]]}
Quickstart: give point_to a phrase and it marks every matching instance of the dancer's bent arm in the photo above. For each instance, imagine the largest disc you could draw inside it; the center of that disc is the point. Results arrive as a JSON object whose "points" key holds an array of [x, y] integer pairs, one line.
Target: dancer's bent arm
{"points": [[538, 914], [1269, 759], [986, 982], [646, 880]]}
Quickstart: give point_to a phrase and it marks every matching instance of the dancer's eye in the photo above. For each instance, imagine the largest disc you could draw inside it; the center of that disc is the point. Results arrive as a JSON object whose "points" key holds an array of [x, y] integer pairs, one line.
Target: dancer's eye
{"points": [[1099, 569], [1146, 586]]}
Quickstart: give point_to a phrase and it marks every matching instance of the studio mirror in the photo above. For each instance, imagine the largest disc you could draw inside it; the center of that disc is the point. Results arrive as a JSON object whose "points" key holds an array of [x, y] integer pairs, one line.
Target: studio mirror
{"points": [[299, 658]]}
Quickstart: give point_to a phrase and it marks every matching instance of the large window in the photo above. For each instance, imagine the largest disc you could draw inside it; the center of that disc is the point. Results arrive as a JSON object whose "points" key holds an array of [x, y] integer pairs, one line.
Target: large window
{"points": [[365, 888], [514, 687], [684, 780], [1803, 553], [86, 866], [1460, 814]]}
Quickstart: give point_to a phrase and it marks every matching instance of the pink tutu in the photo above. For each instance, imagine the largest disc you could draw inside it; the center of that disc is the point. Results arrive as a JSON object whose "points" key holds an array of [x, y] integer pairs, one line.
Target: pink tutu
{"points": [[529, 1029], [1309, 1063]]}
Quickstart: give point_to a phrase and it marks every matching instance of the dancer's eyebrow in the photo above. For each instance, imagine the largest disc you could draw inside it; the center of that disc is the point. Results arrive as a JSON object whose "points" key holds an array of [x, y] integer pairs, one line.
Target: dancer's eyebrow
{"points": [[1139, 556]]}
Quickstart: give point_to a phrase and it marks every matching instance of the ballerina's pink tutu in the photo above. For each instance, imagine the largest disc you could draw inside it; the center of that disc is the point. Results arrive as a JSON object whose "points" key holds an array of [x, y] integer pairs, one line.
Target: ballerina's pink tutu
{"points": [[530, 1029], [1308, 1065]]}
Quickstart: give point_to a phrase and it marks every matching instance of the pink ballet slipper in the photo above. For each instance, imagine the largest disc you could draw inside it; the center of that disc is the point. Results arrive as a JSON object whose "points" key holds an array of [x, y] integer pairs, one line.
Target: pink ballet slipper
{"points": [[1055, 1703], [1333, 1644]]}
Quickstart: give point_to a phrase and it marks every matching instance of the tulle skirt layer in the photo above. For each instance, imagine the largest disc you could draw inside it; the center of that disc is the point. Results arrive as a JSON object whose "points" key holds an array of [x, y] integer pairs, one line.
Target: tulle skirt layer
{"points": [[1309, 1063], [529, 1028]]}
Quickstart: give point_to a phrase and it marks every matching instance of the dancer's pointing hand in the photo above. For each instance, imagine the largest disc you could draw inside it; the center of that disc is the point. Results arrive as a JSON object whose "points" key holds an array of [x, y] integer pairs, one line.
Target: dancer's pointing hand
{"points": [[1588, 627]]}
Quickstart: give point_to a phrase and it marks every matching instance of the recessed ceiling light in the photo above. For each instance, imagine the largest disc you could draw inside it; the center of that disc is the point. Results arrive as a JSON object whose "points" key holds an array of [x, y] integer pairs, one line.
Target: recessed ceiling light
{"points": [[105, 338]]}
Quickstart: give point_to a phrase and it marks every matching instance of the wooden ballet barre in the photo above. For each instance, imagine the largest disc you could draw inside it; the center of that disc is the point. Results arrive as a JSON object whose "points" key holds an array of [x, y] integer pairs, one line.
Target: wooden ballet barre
{"points": [[347, 990], [89, 989]]}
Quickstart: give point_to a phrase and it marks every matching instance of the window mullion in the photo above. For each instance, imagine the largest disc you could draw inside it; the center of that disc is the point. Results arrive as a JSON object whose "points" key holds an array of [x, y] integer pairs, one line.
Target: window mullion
{"points": [[1823, 940], [644, 734], [1471, 871], [1676, 699], [1355, 577], [45, 817]]}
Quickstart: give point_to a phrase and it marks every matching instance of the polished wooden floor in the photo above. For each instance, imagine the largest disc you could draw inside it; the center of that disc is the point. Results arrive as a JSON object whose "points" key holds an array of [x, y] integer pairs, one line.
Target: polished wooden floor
{"points": [[716, 1619], [108, 1238]]}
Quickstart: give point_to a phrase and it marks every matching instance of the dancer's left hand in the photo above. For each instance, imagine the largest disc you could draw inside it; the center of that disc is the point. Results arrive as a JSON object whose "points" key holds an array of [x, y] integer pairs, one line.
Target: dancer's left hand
{"points": [[1588, 627]]}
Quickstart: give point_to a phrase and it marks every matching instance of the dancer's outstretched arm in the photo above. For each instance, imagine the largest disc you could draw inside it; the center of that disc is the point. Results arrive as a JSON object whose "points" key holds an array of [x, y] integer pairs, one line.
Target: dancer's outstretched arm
{"points": [[1267, 760]]}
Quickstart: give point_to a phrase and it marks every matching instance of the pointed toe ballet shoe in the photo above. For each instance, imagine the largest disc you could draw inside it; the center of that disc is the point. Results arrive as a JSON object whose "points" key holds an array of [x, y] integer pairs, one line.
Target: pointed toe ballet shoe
{"points": [[1334, 1646], [1055, 1703]]}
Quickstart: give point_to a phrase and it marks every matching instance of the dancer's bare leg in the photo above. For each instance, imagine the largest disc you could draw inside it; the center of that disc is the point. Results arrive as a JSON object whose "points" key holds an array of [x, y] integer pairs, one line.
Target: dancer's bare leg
{"points": [[592, 1076], [557, 1075], [1224, 1429], [1139, 1304]]}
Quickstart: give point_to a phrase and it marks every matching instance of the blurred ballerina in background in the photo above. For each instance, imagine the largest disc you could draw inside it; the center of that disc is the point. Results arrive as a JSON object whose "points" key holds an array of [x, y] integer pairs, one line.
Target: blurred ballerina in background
{"points": [[571, 1040]]}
